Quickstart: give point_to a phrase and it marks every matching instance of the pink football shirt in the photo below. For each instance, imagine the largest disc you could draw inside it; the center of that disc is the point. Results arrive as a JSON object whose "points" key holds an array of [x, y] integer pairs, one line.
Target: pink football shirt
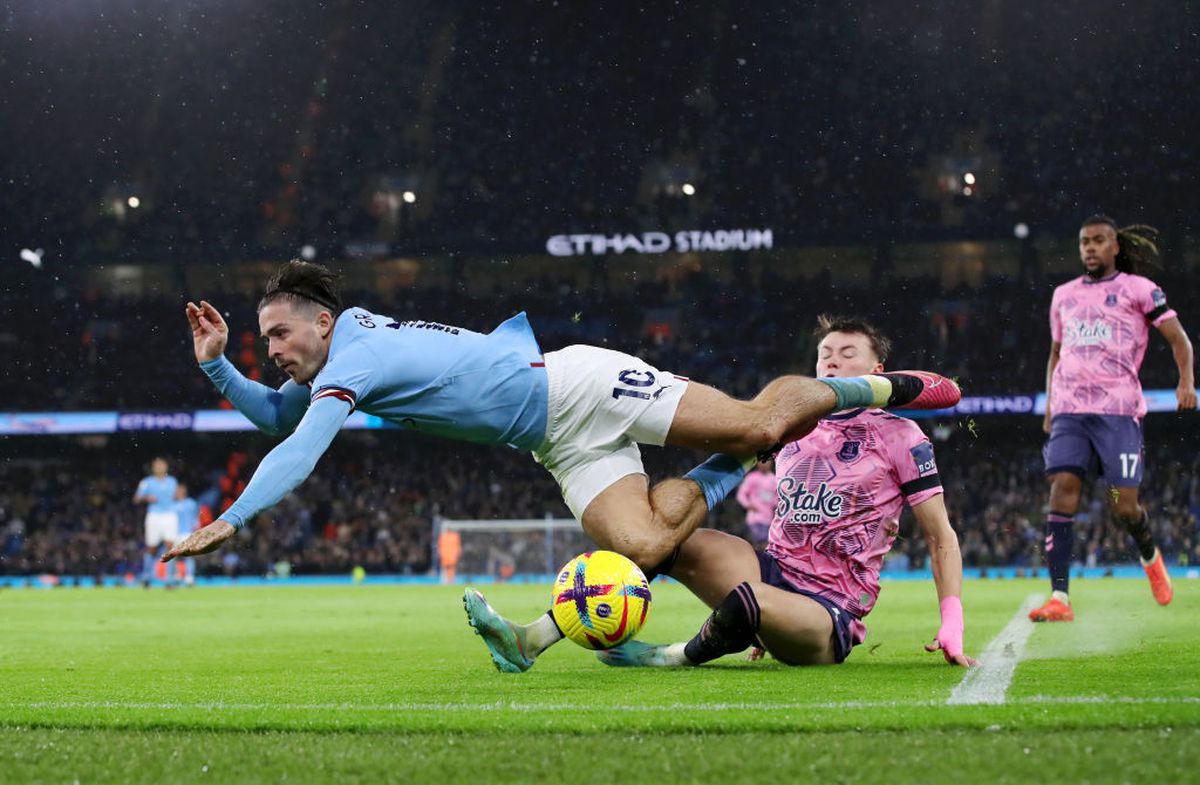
{"points": [[757, 495], [1103, 327], [840, 492]]}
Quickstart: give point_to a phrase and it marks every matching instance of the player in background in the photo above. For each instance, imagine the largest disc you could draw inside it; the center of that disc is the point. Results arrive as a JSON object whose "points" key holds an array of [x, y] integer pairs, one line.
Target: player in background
{"points": [[840, 492], [1099, 328], [157, 492], [581, 410], [757, 495], [188, 512]]}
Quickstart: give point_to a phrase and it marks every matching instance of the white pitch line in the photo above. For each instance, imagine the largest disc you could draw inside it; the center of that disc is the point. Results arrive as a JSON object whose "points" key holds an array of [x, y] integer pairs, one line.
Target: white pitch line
{"points": [[988, 682], [1178, 700]]}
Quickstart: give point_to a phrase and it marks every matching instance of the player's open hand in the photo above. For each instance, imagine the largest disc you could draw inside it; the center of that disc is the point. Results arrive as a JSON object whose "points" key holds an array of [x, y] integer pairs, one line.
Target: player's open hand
{"points": [[952, 652], [202, 540], [209, 331], [1185, 394]]}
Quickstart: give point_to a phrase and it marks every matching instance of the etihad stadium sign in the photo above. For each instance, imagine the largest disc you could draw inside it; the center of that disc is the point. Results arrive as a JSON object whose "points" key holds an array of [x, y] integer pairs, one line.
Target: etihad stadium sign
{"points": [[660, 242]]}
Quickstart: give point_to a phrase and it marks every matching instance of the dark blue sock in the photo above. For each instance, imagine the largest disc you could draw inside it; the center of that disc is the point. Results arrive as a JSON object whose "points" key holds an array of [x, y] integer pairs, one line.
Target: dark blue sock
{"points": [[1059, 538], [717, 477], [731, 627], [1139, 530]]}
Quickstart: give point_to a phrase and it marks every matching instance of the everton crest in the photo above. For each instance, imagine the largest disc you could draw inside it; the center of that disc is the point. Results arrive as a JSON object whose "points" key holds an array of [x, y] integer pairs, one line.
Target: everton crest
{"points": [[849, 451]]}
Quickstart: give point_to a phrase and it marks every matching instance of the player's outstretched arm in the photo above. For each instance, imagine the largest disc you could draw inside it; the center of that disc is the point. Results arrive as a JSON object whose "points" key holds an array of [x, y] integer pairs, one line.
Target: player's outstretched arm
{"points": [[1181, 347], [275, 412], [946, 560], [285, 467], [201, 541]]}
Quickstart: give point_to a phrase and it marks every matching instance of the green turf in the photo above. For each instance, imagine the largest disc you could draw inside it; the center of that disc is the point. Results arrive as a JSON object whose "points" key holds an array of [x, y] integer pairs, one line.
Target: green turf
{"points": [[371, 683]]}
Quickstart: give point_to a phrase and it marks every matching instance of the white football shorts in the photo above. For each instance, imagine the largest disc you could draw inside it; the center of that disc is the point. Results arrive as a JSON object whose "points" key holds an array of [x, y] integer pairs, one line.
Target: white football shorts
{"points": [[161, 526], [602, 404]]}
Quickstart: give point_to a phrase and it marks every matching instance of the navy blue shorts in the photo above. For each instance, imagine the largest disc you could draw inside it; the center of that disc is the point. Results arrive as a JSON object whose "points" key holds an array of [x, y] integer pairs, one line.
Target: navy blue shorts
{"points": [[843, 638], [1083, 443]]}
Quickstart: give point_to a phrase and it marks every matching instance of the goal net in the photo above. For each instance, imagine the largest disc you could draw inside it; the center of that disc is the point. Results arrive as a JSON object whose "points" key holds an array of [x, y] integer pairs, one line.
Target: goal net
{"points": [[520, 548]]}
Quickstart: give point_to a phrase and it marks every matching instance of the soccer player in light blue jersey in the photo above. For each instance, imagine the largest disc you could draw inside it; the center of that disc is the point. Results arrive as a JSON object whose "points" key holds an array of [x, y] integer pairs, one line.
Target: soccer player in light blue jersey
{"points": [[188, 512], [581, 410], [157, 492]]}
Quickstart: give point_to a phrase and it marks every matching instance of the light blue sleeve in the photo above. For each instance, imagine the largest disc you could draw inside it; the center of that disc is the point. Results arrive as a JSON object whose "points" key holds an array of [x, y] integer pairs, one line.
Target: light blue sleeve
{"points": [[272, 411], [351, 374], [292, 460]]}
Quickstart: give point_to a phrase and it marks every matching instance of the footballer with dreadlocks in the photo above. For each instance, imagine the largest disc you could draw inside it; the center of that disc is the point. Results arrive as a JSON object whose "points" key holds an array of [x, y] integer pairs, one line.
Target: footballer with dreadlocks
{"points": [[1100, 324]]}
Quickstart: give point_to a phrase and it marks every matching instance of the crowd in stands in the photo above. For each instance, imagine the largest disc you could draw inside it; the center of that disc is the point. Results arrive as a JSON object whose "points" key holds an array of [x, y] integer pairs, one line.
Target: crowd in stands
{"points": [[373, 500]]}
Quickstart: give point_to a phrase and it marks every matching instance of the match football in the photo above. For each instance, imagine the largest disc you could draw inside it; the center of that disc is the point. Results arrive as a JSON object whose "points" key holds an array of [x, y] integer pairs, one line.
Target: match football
{"points": [[601, 599]]}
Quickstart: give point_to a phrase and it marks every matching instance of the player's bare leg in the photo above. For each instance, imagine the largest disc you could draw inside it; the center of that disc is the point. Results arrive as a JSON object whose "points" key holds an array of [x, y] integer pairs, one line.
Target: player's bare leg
{"points": [[723, 571], [790, 407], [645, 524], [1065, 488], [1135, 520]]}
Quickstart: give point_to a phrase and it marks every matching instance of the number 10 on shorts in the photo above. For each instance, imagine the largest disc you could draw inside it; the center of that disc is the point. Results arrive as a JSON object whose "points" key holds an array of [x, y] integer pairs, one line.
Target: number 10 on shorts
{"points": [[632, 380], [1129, 462]]}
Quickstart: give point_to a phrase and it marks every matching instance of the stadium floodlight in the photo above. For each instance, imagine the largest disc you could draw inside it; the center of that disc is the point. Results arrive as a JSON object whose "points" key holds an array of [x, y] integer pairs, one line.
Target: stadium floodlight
{"points": [[1021, 231], [688, 189], [968, 190], [134, 202], [969, 178], [33, 257], [409, 197], [308, 252]]}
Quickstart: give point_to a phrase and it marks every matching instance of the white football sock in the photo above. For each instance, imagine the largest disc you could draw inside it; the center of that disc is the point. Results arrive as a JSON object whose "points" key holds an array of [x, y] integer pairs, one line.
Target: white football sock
{"points": [[673, 654], [541, 634]]}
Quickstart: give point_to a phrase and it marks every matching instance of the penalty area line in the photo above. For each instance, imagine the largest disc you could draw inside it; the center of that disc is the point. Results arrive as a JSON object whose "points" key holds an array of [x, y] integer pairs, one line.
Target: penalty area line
{"points": [[988, 682]]}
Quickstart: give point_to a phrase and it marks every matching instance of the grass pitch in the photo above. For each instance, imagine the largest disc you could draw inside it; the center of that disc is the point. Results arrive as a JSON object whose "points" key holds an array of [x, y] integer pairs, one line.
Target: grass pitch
{"points": [[388, 683]]}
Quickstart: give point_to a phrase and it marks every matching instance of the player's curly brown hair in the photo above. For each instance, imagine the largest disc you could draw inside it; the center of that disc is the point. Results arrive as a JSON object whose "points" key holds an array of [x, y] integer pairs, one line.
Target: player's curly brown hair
{"points": [[827, 323], [304, 283], [1138, 243]]}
